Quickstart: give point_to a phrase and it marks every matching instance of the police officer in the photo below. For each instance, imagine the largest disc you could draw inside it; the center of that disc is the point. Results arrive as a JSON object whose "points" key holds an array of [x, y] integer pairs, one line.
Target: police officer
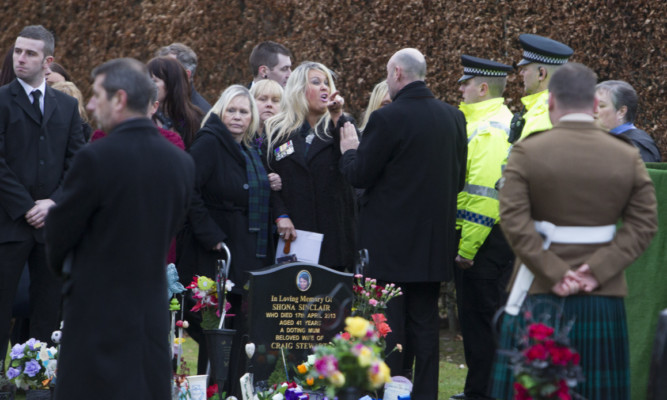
{"points": [[541, 58], [484, 259]]}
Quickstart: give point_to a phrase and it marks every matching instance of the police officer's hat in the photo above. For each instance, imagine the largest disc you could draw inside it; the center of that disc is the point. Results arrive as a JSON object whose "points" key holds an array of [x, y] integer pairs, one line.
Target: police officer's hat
{"points": [[474, 66], [538, 49]]}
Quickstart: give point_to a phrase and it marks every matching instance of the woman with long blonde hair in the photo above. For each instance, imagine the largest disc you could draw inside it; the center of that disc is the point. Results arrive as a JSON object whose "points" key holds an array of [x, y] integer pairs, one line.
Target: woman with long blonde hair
{"points": [[379, 98], [302, 147]]}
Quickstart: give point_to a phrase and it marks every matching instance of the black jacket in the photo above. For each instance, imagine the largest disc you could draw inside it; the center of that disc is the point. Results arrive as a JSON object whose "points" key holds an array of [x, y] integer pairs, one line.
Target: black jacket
{"points": [[412, 163], [122, 202], [33, 157], [219, 212], [316, 196], [644, 143]]}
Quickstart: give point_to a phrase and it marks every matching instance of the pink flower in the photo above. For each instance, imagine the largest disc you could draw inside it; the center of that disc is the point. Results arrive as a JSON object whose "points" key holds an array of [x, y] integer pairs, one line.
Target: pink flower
{"points": [[326, 365], [373, 302]]}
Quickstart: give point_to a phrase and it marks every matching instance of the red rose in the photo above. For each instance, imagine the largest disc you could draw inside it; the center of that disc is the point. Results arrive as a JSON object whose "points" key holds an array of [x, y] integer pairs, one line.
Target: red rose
{"points": [[520, 392], [211, 391], [540, 331], [536, 352], [560, 355], [563, 391], [345, 335]]}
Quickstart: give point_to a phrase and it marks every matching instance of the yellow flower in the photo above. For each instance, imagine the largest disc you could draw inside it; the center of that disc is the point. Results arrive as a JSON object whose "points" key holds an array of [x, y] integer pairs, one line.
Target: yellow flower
{"points": [[205, 284], [310, 381], [179, 340], [302, 368], [337, 379], [365, 356], [356, 326], [379, 375]]}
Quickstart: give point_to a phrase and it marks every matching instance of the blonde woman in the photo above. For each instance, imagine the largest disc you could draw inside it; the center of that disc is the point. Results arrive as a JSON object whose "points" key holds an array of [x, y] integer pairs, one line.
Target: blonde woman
{"points": [[231, 206], [70, 88], [302, 142], [268, 95], [379, 98]]}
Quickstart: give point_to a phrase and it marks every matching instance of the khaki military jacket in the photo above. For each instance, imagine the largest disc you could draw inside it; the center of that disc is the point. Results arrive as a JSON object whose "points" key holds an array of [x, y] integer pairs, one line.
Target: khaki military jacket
{"points": [[577, 175]]}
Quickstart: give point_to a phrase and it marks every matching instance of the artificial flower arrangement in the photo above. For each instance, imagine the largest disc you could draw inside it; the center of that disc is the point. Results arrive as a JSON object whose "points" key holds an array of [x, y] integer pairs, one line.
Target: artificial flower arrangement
{"points": [[283, 391], [205, 293], [371, 298], [352, 359], [32, 365], [546, 367]]}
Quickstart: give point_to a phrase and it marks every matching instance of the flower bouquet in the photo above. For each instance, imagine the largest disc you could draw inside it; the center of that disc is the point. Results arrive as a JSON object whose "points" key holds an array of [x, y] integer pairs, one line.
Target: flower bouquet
{"points": [[352, 360], [371, 298], [547, 367], [283, 391], [205, 293], [32, 365]]}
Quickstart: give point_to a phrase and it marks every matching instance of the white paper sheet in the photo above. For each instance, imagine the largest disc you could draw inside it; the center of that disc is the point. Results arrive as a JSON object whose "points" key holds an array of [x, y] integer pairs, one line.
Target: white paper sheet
{"points": [[306, 247]]}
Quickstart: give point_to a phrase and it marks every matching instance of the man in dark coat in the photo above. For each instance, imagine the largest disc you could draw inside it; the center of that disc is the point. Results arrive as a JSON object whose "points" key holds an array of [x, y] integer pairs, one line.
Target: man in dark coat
{"points": [[188, 59], [123, 200], [412, 162], [40, 130]]}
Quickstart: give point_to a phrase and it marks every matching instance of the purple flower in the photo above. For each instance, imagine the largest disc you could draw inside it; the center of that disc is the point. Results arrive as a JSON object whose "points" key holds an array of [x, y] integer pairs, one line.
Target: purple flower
{"points": [[13, 372], [31, 343], [17, 351], [326, 365], [32, 367]]}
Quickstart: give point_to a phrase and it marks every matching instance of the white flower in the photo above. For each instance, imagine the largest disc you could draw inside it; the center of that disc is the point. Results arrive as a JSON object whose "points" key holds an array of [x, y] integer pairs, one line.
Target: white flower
{"points": [[250, 349], [228, 285], [278, 396], [311, 359]]}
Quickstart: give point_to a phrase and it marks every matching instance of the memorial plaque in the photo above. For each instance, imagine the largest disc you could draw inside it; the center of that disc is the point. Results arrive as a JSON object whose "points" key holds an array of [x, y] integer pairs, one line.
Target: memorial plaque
{"points": [[291, 308]]}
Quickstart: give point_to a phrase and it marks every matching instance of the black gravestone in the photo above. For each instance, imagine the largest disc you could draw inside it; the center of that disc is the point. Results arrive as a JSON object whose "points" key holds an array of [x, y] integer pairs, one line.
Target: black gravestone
{"points": [[291, 308]]}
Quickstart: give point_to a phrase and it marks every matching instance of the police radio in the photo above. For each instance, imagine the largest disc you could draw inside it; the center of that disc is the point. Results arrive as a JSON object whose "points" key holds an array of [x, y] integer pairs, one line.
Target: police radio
{"points": [[516, 126]]}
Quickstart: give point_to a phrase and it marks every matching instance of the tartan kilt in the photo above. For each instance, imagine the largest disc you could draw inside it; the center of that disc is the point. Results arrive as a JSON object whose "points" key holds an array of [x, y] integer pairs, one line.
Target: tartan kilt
{"points": [[599, 334]]}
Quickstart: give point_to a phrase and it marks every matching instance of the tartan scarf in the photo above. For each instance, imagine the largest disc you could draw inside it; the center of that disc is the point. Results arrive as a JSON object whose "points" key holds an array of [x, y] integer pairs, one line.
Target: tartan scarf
{"points": [[258, 198]]}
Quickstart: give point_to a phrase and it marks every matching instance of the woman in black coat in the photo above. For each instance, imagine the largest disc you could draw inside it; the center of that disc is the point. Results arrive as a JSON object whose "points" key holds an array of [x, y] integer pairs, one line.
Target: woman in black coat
{"points": [[302, 142], [231, 205]]}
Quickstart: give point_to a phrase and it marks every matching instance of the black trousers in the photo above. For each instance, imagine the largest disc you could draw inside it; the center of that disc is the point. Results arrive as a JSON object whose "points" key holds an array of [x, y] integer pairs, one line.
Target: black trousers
{"points": [[413, 319], [45, 290], [480, 292]]}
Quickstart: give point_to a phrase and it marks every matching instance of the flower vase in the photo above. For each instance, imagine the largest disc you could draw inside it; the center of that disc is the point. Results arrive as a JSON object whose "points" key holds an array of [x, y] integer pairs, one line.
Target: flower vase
{"points": [[38, 394], [350, 393], [219, 343]]}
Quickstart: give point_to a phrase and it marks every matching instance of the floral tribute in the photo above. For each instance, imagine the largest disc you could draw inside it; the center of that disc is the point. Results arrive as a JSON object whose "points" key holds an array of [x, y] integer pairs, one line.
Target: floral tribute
{"points": [[547, 367], [283, 391], [32, 365], [371, 298], [205, 293], [352, 359]]}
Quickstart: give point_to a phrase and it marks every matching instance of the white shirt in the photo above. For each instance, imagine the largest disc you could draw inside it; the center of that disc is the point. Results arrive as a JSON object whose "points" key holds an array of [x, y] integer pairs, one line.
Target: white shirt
{"points": [[29, 89], [578, 117]]}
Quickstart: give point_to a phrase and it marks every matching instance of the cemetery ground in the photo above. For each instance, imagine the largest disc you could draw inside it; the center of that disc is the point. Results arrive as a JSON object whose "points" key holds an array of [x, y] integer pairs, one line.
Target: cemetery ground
{"points": [[452, 364]]}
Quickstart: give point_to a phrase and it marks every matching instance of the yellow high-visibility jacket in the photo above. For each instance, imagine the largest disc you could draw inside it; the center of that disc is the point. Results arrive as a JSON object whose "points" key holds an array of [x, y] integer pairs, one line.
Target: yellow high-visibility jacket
{"points": [[537, 113], [488, 125]]}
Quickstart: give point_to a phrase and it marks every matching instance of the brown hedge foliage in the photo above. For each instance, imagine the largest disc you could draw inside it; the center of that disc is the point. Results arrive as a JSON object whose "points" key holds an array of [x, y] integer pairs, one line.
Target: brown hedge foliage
{"points": [[619, 39]]}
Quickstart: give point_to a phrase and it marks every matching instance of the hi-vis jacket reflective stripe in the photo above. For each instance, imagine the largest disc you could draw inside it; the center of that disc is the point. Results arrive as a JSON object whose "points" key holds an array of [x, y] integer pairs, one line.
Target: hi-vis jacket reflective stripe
{"points": [[488, 129], [537, 113]]}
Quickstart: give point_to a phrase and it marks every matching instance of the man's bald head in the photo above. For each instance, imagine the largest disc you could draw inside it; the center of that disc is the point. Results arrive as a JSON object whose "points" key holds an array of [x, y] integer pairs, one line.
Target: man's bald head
{"points": [[405, 66]]}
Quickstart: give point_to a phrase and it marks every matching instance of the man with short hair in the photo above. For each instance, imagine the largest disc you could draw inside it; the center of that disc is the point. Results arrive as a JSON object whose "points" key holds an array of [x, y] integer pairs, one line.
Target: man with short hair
{"points": [[567, 240], [271, 60], [541, 58], [617, 111], [484, 260], [40, 131], [123, 200], [412, 162], [188, 59]]}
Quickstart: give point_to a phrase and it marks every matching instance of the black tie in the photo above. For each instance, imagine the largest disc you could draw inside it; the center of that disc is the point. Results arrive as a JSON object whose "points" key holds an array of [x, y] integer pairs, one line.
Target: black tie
{"points": [[35, 102]]}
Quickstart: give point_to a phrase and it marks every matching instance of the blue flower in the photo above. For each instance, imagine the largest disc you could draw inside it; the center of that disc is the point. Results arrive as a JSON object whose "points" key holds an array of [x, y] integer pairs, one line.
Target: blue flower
{"points": [[32, 367], [17, 351], [13, 372]]}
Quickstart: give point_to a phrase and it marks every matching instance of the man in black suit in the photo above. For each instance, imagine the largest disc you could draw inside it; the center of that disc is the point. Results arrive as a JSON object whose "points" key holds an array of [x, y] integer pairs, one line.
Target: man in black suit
{"points": [[412, 163], [188, 59], [122, 202], [40, 130]]}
